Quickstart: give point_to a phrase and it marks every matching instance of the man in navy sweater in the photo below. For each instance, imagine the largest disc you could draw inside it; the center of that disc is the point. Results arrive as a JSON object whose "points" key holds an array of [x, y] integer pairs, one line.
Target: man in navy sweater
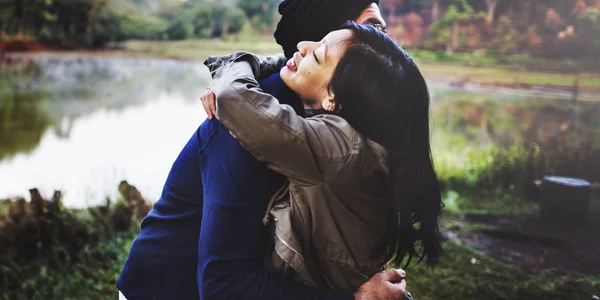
{"points": [[216, 185]]}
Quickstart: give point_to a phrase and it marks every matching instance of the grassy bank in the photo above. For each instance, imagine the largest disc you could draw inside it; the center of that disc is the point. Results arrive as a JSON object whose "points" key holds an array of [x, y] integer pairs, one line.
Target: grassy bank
{"points": [[93, 276], [518, 71], [515, 71]]}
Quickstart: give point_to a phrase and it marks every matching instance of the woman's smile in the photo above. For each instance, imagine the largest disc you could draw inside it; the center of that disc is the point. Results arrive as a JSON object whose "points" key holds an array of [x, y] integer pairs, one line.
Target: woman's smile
{"points": [[310, 69], [291, 64]]}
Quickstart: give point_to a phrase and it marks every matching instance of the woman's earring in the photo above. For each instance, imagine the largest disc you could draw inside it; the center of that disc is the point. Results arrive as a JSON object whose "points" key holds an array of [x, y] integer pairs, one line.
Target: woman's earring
{"points": [[329, 104]]}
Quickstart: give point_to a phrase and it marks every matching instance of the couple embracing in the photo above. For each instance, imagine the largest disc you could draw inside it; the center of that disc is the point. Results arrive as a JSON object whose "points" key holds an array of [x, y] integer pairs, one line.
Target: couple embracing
{"points": [[312, 172]]}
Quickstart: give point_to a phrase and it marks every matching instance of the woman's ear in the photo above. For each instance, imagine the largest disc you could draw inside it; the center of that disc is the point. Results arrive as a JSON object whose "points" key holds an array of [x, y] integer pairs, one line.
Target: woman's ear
{"points": [[329, 103]]}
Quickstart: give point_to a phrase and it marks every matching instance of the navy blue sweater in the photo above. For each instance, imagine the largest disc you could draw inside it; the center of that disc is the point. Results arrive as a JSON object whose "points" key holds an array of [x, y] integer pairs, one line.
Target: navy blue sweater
{"points": [[216, 185]]}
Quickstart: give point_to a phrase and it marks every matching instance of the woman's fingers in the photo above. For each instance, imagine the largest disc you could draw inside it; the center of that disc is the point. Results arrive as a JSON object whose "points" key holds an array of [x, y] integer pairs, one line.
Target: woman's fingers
{"points": [[202, 100], [212, 102], [208, 103]]}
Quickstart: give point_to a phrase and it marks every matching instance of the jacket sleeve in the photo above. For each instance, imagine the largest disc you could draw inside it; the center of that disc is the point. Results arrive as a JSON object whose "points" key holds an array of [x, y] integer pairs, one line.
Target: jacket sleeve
{"points": [[308, 150], [266, 65]]}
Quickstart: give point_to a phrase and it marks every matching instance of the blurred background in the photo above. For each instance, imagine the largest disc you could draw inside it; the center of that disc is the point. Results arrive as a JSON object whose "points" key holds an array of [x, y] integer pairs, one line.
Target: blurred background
{"points": [[97, 97]]}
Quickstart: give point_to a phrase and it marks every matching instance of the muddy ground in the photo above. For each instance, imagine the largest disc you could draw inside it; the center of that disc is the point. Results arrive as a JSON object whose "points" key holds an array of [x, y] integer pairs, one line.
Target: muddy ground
{"points": [[531, 243]]}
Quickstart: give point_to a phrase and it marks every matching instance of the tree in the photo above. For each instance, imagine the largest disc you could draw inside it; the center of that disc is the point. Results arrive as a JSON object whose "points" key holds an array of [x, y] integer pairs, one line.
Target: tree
{"points": [[203, 22], [435, 10], [448, 27], [257, 7], [587, 27], [259, 12], [491, 11], [391, 7]]}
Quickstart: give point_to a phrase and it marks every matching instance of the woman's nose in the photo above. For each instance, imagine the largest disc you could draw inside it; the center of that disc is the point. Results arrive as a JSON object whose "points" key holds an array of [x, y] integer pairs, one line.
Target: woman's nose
{"points": [[307, 47]]}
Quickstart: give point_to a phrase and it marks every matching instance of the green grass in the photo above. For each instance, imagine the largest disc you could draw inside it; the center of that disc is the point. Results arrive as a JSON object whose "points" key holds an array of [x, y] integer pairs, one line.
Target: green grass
{"points": [[200, 49], [48, 251], [465, 273], [94, 277], [457, 277], [507, 77], [513, 62]]}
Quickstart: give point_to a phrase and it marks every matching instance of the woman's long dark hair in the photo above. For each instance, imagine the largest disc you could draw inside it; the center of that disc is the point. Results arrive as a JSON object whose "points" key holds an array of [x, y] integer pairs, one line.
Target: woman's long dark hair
{"points": [[380, 91]]}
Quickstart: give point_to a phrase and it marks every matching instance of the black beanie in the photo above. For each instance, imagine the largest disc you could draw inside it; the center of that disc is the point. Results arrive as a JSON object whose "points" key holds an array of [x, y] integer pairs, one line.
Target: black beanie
{"points": [[311, 20]]}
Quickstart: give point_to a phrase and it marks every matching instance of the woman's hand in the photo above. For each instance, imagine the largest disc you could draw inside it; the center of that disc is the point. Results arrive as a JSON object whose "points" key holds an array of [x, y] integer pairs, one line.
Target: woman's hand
{"points": [[209, 103]]}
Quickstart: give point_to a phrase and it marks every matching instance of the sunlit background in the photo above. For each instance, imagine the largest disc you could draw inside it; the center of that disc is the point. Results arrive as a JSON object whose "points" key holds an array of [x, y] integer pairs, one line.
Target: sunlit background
{"points": [[94, 92]]}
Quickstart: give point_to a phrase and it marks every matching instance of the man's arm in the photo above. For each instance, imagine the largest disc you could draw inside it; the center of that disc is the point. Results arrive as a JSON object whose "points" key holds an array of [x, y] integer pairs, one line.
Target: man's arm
{"points": [[233, 240]]}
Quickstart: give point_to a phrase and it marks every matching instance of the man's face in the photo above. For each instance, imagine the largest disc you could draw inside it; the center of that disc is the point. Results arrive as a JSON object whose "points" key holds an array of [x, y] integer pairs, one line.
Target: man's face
{"points": [[371, 15]]}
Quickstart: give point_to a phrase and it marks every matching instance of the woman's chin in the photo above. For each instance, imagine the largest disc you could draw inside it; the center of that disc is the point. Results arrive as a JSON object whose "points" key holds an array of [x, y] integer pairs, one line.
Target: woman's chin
{"points": [[285, 75], [284, 72]]}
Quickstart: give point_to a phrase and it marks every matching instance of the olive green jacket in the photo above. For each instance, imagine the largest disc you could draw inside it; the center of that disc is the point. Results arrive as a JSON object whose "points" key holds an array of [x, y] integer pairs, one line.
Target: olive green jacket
{"points": [[332, 219]]}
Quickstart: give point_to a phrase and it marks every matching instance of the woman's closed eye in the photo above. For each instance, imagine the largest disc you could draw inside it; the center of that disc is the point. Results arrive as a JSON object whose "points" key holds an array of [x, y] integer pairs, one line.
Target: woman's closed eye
{"points": [[323, 52]]}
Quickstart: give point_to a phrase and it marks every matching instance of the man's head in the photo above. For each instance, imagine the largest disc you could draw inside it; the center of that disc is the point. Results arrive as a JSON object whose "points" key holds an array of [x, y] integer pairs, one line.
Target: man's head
{"points": [[311, 20], [371, 15]]}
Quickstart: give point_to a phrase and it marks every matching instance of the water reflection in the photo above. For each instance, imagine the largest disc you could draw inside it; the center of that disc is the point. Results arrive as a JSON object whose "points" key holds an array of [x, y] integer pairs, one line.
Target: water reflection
{"points": [[82, 125], [486, 120], [104, 121], [22, 117]]}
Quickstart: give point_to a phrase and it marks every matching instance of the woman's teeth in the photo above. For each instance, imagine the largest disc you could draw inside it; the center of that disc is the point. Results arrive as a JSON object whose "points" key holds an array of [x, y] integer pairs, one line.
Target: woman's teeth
{"points": [[292, 65]]}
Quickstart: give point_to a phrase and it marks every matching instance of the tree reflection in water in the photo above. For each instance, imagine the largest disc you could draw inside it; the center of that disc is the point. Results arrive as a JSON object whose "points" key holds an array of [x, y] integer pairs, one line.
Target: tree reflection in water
{"points": [[23, 118]]}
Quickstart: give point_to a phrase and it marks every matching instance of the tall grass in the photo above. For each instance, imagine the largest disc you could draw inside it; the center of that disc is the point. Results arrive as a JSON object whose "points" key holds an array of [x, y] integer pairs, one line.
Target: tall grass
{"points": [[50, 252], [503, 179]]}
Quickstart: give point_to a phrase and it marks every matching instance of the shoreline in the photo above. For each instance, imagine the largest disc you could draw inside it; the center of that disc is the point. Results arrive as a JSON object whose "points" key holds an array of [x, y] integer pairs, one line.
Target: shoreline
{"points": [[443, 74]]}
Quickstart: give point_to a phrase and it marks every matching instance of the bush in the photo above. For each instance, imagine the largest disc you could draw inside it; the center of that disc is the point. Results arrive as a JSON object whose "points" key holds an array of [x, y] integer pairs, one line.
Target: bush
{"points": [[141, 27], [587, 30], [179, 31], [500, 179], [507, 38], [41, 240], [217, 20], [202, 22]]}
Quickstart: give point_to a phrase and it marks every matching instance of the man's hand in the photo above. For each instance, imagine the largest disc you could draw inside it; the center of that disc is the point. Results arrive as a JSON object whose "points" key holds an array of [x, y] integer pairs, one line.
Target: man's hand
{"points": [[209, 103], [387, 285]]}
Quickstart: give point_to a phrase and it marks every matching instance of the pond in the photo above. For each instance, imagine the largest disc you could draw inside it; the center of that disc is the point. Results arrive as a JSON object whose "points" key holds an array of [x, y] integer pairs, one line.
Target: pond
{"points": [[81, 125]]}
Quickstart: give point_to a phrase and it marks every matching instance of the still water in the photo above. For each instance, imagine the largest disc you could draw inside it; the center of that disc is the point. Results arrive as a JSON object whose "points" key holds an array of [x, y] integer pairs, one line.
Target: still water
{"points": [[86, 124]]}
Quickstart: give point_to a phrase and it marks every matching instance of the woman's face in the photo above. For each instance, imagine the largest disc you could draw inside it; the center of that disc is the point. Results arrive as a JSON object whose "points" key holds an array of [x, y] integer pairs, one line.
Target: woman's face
{"points": [[309, 71]]}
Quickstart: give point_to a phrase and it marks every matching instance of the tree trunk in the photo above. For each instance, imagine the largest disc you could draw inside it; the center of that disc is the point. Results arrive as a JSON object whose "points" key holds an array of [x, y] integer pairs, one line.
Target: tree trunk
{"points": [[391, 12], [225, 28], [435, 11], [491, 6], [453, 44], [22, 19], [89, 25]]}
